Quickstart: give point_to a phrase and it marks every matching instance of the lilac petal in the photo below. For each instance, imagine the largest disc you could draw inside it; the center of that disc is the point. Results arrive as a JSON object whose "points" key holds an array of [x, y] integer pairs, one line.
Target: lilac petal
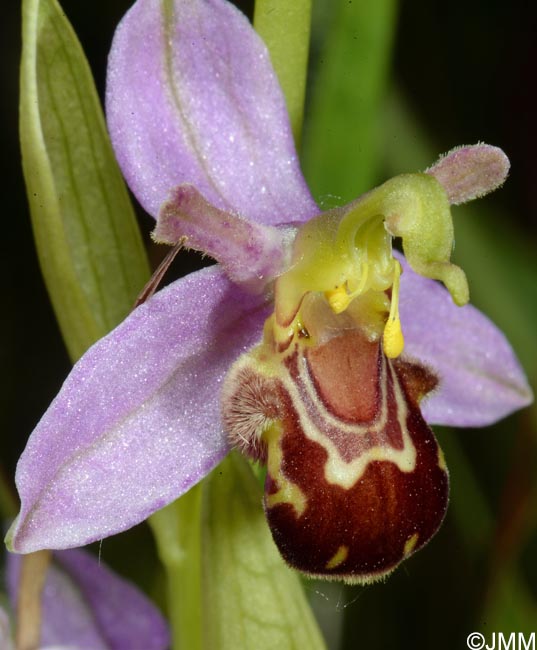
{"points": [[86, 605], [252, 254], [481, 380], [192, 98], [137, 422]]}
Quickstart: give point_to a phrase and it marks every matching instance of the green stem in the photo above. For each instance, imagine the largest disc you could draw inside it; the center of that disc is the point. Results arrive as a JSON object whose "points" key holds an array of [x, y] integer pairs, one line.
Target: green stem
{"points": [[285, 28], [177, 532]]}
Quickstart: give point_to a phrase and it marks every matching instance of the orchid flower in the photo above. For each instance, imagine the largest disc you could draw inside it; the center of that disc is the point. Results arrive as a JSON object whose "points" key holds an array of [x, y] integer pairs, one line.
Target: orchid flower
{"points": [[312, 345], [86, 605]]}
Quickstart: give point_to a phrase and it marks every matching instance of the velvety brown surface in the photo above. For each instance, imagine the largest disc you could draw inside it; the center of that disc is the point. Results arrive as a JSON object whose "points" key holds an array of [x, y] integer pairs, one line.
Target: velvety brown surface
{"points": [[385, 507]]}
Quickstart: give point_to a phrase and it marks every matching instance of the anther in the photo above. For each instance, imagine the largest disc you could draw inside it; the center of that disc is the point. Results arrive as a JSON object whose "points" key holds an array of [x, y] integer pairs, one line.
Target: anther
{"points": [[393, 341]]}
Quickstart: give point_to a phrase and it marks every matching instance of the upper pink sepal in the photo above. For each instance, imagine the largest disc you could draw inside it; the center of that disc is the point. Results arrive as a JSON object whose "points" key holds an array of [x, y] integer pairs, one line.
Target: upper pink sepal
{"points": [[192, 98]]}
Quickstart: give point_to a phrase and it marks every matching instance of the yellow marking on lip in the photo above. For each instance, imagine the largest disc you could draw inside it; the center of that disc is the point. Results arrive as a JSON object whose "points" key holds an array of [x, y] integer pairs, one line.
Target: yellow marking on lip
{"points": [[336, 470], [339, 557], [288, 492], [442, 460], [410, 544]]}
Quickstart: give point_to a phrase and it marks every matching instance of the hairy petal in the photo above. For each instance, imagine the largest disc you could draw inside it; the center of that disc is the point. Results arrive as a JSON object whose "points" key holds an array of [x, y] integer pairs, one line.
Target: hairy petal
{"points": [[468, 172], [137, 421], [192, 98], [481, 380], [86, 605], [251, 254]]}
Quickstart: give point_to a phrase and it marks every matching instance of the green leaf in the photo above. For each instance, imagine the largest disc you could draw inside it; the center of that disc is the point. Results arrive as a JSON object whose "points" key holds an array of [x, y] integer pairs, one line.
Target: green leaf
{"points": [[342, 129], [285, 28], [87, 239], [510, 606], [251, 598]]}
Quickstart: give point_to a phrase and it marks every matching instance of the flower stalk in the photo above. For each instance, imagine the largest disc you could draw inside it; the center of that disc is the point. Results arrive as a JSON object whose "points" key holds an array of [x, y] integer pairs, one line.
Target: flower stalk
{"points": [[177, 533], [31, 582]]}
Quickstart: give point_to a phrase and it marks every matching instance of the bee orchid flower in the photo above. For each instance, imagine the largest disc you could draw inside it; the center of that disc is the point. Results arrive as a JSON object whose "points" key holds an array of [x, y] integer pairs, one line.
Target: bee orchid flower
{"points": [[312, 345]]}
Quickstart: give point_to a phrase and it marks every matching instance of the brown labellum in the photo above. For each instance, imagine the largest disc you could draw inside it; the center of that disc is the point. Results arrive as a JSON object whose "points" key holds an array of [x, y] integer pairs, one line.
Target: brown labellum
{"points": [[356, 481]]}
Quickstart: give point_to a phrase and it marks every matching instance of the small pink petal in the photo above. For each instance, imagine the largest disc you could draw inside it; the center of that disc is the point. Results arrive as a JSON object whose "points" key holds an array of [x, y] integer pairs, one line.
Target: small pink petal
{"points": [[251, 254]]}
